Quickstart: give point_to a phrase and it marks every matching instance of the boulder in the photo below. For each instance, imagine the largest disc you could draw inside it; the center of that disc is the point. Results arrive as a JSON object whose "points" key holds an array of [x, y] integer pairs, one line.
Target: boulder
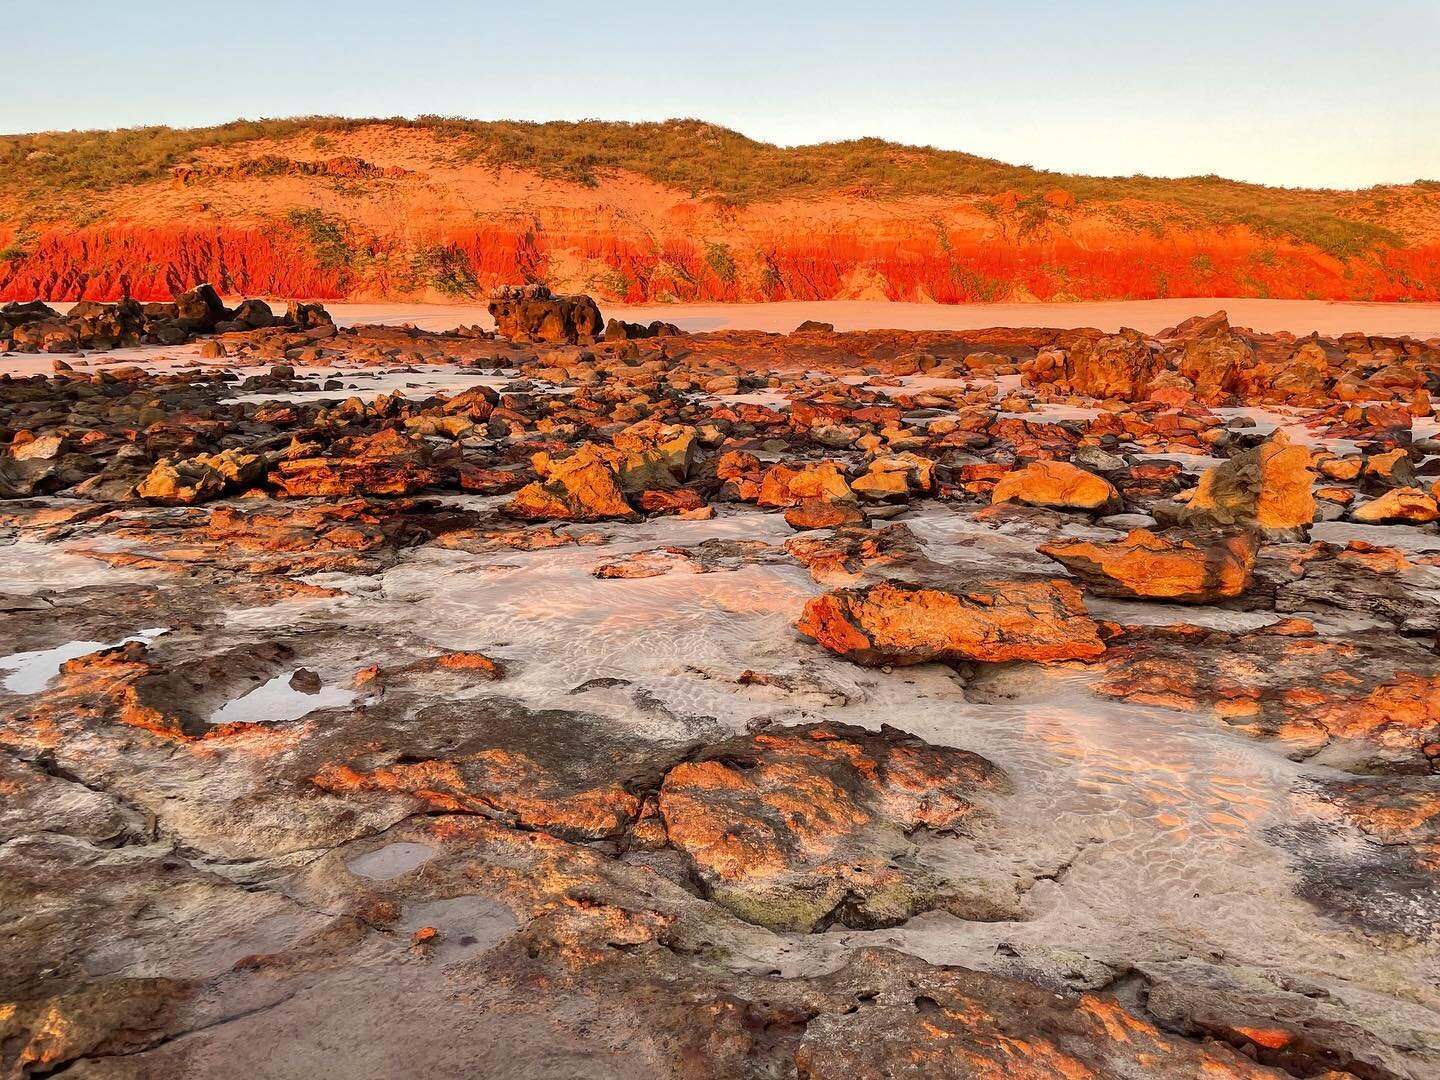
{"points": [[46, 335], [582, 487], [1268, 488], [43, 476], [619, 330], [1215, 357], [307, 316], [1110, 366], [532, 313], [787, 485], [255, 314], [843, 556], [900, 623], [201, 308], [1151, 567], [1057, 485], [45, 448], [653, 456], [200, 478], [895, 478], [1390, 469], [823, 514], [1406, 505]]}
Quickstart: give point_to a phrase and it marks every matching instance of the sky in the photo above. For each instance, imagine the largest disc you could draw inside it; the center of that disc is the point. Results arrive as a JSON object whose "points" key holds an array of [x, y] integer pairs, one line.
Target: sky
{"points": [[1315, 93]]}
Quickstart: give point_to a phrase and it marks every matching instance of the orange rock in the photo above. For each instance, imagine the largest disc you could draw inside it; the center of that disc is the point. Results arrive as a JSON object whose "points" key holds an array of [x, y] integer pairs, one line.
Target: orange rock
{"points": [[1392, 468], [783, 485], [495, 781], [1396, 506], [1215, 357], [1058, 485], [581, 487], [823, 514], [1113, 366], [470, 661], [1152, 567], [795, 825], [1340, 468], [677, 501], [843, 556], [1352, 699], [332, 477], [896, 477], [901, 623], [1268, 487], [1378, 560]]}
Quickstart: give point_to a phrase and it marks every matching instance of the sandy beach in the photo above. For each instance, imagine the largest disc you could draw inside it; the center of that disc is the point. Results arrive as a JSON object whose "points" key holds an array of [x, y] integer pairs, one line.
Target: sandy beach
{"points": [[1148, 316]]}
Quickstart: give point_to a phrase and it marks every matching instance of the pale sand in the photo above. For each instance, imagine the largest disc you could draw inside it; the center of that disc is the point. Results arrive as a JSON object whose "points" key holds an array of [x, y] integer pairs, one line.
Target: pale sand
{"points": [[1147, 316]]}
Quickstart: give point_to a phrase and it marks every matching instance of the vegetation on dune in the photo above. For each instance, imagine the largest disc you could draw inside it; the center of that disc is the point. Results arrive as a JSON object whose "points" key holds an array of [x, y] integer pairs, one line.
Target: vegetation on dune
{"points": [[329, 239], [705, 159]]}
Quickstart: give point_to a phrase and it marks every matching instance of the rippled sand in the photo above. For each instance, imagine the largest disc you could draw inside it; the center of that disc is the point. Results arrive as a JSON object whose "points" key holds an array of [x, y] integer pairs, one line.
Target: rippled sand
{"points": [[1135, 832]]}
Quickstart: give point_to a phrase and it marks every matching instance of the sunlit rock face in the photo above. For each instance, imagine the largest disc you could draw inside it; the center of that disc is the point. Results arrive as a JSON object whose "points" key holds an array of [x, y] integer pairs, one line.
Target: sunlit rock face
{"points": [[1145, 565], [995, 621], [1026, 702]]}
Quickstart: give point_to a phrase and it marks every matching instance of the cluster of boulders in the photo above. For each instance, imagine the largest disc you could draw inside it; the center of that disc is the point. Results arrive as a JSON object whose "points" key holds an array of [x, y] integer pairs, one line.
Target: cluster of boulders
{"points": [[652, 431], [668, 426], [36, 327], [943, 520], [532, 313], [1209, 361]]}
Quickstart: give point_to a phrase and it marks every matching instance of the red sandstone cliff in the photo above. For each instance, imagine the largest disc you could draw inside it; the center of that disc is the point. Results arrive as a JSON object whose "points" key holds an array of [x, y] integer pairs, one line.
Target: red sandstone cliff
{"points": [[382, 211]]}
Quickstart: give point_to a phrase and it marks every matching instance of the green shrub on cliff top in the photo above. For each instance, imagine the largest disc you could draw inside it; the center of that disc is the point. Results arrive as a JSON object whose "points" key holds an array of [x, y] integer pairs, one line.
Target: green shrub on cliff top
{"points": [[712, 161]]}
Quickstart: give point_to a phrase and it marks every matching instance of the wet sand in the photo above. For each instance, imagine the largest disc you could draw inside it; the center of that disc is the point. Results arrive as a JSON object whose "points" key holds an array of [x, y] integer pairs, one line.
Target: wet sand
{"points": [[1147, 316]]}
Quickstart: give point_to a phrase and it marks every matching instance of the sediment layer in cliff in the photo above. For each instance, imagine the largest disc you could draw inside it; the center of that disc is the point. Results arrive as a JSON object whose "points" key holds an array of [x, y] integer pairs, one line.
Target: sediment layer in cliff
{"points": [[436, 210]]}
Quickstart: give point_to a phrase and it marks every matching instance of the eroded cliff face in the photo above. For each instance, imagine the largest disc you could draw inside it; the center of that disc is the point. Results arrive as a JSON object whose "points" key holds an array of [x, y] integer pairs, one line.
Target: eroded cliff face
{"points": [[396, 215]]}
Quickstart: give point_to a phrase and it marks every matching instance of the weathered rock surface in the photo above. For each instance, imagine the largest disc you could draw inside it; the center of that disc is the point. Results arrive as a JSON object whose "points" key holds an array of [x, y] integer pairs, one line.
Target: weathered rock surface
{"points": [[1150, 566], [1406, 504], [995, 621], [531, 313], [1057, 485], [1266, 488], [797, 828], [582, 487], [331, 777], [1356, 703], [1115, 366]]}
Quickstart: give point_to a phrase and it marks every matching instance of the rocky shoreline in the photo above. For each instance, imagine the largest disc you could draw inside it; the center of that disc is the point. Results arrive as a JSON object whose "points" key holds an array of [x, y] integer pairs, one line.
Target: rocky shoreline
{"points": [[604, 700]]}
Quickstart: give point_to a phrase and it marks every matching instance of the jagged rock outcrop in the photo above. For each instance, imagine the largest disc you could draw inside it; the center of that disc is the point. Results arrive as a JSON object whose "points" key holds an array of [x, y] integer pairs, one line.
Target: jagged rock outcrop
{"points": [[1268, 488], [581, 487], [532, 313], [1101, 366]]}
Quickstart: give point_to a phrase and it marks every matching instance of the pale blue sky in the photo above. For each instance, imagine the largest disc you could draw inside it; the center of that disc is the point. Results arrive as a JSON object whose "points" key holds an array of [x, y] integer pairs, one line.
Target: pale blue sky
{"points": [[1314, 92]]}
